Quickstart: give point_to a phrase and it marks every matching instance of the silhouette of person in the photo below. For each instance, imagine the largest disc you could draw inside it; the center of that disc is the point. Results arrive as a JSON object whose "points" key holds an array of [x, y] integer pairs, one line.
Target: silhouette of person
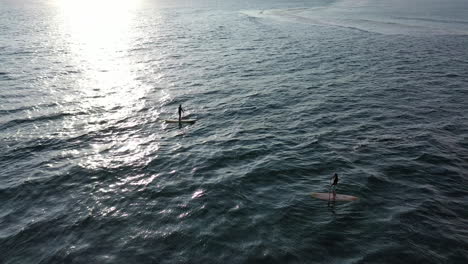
{"points": [[335, 183], [180, 112]]}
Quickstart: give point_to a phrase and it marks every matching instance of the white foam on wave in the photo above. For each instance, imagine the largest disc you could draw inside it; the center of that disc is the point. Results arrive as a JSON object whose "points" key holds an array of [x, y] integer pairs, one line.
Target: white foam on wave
{"points": [[370, 16]]}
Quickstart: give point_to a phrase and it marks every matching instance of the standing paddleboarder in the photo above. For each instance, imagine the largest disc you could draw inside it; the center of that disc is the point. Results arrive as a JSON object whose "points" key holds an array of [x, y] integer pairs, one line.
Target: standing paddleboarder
{"points": [[335, 183], [180, 113], [333, 186]]}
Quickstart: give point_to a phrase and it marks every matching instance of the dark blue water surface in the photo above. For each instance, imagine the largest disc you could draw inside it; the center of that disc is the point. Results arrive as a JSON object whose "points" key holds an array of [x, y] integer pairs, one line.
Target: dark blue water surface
{"points": [[285, 93]]}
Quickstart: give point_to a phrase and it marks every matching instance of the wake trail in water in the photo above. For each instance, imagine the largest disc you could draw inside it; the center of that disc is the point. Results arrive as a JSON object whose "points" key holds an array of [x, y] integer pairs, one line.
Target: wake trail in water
{"points": [[368, 16]]}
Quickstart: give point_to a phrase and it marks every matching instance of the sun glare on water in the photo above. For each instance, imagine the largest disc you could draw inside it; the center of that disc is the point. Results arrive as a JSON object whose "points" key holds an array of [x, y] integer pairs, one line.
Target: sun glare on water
{"points": [[97, 21], [99, 35]]}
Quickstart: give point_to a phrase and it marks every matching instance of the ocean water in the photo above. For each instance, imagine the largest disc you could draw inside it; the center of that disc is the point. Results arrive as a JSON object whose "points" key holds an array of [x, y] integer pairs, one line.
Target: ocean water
{"points": [[285, 93]]}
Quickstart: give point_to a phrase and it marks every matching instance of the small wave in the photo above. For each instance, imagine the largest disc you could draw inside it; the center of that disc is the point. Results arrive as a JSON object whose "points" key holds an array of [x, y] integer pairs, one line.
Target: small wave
{"points": [[355, 21], [33, 120], [434, 20], [433, 159], [452, 75], [18, 109]]}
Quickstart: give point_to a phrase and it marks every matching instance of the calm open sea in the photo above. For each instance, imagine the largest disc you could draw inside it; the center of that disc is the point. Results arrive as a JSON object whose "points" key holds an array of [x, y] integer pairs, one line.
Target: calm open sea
{"points": [[285, 93]]}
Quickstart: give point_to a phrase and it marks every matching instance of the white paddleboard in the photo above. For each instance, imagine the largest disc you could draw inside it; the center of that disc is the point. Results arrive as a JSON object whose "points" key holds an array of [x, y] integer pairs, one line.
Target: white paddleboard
{"points": [[336, 197], [184, 121]]}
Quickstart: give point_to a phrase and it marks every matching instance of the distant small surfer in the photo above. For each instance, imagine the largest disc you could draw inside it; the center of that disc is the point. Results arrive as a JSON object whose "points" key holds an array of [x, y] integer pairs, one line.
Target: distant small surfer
{"points": [[180, 112], [335, 183]]}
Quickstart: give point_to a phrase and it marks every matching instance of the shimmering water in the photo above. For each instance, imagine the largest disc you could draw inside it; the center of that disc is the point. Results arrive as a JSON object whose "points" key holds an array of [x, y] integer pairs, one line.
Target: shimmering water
{"points": [[285, 92]]}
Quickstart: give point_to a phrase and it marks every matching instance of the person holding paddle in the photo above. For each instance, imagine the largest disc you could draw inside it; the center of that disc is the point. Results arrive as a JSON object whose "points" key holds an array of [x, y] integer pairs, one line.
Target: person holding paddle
{"points": [[332, 189], [180, 112], [334, 183]]}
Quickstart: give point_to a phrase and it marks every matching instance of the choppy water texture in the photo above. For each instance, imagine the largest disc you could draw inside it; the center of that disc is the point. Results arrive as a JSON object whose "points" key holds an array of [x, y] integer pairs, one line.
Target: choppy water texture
{"points": [[285, 94]]}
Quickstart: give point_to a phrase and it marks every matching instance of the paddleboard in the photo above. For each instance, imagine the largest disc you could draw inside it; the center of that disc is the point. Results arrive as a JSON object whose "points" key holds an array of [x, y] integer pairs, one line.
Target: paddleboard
{"points": [[184, 121], [337, 197]]}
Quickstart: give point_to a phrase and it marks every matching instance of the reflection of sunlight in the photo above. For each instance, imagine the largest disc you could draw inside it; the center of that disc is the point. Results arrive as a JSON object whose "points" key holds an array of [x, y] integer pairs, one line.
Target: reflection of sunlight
{"points": [[124, 151], [101, 23], [97, 38], [199, 193], [99, 35]]}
